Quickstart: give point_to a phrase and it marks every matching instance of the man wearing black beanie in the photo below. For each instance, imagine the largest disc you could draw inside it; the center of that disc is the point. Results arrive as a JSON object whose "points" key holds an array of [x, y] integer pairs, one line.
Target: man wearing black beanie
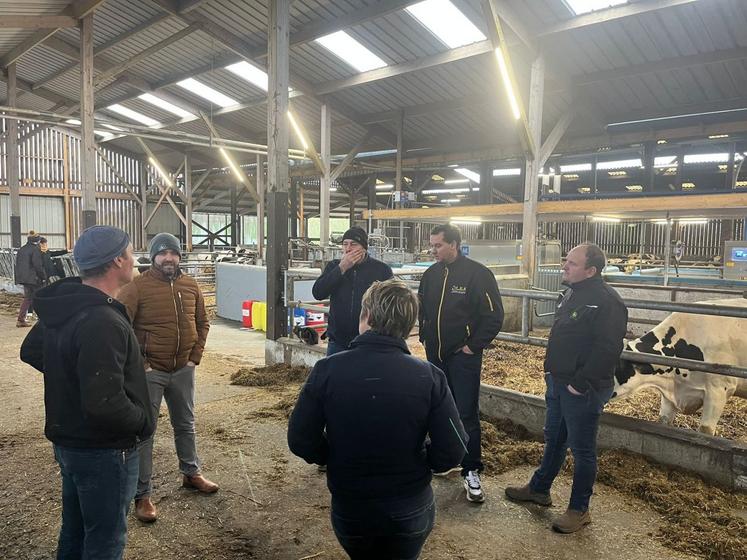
{"points": [[344, 281]]}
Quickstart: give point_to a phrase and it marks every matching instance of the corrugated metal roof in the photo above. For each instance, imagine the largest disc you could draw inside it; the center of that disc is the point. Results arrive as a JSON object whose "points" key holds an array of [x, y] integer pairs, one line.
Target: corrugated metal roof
{"points": [[572, 57]]}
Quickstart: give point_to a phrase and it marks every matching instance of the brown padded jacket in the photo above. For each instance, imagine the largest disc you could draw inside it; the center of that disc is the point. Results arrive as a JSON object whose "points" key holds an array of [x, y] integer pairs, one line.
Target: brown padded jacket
{"points": [[168, 317]]}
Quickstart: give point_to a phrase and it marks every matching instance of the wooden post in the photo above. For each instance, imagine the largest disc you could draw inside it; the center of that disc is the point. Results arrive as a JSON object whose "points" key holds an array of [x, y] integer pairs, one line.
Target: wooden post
{"points": [[88, 152], [142, 168], [188, 203], [531, 171], [14, 185], [277, 166], [261, 206], [326, 180], [66, 192]]}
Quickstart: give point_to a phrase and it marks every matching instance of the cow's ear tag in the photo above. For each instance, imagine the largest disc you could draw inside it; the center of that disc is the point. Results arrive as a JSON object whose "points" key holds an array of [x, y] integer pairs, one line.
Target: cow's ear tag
{"points": [[574, 315]]}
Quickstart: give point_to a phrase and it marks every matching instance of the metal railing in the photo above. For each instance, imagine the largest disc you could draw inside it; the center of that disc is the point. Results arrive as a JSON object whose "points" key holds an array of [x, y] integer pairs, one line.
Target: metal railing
{"points": [[637, 357]]}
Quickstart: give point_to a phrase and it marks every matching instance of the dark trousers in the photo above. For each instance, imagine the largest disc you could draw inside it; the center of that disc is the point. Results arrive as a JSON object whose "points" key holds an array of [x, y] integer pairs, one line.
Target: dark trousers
{"points": [[27, 305], [97, 488], [463, 374], [333, 347], [571, 421], [384, 529]]}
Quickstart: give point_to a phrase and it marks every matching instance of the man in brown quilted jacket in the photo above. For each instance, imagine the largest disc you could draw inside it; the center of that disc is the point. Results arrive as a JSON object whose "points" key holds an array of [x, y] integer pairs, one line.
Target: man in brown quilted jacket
{"points": [[168, 314]]}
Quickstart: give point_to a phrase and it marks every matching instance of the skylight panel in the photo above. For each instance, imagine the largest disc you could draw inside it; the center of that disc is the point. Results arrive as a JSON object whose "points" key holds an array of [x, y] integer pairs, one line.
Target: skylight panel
{"points": [[471, 175], [446, 22], [506, 172], [206, 92], [133, 115], [619, 164], [585, 6], [351, 51], [250, 73], [165, 105]]}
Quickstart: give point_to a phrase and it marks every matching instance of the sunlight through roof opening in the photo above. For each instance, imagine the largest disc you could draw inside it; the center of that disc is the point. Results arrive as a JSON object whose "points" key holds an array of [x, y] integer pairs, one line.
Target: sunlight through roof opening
{"points": [[250, 73], [133, 115], [165, 105], [351, 51], [446, 22], [585, 6], [206, 92]]}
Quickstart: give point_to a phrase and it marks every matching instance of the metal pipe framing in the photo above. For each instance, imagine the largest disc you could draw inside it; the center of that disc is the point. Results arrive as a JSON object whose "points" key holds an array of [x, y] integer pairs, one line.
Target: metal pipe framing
{"points": [[174, 136]]}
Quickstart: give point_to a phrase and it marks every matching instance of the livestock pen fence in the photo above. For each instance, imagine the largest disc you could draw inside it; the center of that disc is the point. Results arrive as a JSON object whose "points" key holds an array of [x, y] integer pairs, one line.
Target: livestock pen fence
{"points": [[549, 299]]}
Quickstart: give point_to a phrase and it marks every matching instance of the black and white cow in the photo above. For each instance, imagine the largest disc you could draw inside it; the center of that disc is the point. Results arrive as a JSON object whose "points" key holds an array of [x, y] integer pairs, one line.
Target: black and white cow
{"points": [[706, 338]]}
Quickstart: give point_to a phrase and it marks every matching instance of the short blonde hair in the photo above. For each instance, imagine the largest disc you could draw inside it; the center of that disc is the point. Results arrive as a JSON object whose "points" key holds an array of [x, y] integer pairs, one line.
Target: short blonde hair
{"points": [[391, 308]]}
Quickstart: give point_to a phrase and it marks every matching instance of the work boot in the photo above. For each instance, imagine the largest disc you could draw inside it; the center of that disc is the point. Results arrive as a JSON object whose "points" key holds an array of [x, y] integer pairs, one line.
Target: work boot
{"points": [[571, 521], [145, 510], [22, 324], [199, 482], [526, 494]]}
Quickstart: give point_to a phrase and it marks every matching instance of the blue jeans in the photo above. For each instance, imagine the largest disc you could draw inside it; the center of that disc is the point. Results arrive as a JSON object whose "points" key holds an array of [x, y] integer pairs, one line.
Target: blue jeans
{"points": [[97, 488], [571, 421], [384, 529], [333, 347]]}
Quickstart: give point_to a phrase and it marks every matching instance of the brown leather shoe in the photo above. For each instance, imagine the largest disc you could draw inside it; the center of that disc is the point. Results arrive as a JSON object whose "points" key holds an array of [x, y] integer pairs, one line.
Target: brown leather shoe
{"points": [[526, 494], [571, 521], [145, 511], [199, 482]]}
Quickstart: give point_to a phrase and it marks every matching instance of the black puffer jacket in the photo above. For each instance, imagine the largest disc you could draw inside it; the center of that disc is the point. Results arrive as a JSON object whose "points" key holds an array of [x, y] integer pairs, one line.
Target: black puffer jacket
{"points": [[29, 265], [345, 292], [587, 335], [95, 392]]}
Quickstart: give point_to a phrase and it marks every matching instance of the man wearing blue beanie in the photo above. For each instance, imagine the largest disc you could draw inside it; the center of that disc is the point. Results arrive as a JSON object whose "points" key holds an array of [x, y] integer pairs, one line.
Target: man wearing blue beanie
{"points": [[95, 393]]}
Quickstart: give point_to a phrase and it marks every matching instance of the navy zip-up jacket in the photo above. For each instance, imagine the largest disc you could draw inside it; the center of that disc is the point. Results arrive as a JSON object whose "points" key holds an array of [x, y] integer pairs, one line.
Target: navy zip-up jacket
{"points": [[378, 403], [587, 335], [345, 292]]}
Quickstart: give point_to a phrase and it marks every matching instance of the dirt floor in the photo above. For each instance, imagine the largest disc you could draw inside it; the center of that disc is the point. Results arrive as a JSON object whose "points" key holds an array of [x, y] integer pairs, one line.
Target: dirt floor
{"points": [[274, 506]]}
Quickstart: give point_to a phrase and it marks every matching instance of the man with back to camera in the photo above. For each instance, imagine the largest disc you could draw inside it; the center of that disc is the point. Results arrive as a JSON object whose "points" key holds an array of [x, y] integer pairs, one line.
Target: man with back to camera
{"points": [[344, 281], [378, 403], [95, 394], [168, 314], [460, 313], [583, 349]]}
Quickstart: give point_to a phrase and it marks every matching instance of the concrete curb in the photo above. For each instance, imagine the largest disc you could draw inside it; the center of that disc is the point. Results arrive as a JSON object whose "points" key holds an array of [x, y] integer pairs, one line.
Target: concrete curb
{"points": [[714, 458]]}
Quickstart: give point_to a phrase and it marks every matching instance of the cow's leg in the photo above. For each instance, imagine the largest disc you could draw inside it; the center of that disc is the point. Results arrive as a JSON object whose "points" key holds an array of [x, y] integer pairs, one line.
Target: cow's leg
{"points": [[713, 405], [667, 410]]}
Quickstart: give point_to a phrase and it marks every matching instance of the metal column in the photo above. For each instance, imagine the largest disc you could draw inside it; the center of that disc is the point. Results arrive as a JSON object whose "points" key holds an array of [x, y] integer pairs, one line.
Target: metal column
{"points": [[485, 193], [531, 171], [12, 163], [143, 169], [649, 173], [325, 182], [294, 208], [87, 146], [277, 166]]}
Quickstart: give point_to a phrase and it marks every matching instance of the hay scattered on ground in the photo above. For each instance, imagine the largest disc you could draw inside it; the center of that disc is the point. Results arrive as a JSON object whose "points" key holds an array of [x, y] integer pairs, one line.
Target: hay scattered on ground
{"points": [[519, 367], [281, 410], [10, 303], [269, 376], [698, 518]]}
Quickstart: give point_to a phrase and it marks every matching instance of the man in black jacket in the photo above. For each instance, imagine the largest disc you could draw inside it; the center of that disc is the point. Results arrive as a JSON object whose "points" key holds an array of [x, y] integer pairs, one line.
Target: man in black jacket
{"points": [[378, 404], [460, 313], [29, 273], [344, 281], [584, 347], [95, 394]]}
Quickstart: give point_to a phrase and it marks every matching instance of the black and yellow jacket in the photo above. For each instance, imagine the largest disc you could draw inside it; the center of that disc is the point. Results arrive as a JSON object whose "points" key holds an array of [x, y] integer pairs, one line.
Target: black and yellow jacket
{"points": [[459, 304]]}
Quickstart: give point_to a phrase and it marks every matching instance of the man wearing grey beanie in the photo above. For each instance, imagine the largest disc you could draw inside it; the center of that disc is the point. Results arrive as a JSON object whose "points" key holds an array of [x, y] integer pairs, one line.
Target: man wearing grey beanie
{"points": [[95, 393], [168, 314]]}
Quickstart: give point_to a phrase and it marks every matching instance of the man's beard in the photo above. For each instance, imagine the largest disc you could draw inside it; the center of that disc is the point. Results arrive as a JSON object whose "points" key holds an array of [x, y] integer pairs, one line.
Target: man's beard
{"points": [[169, 270]]}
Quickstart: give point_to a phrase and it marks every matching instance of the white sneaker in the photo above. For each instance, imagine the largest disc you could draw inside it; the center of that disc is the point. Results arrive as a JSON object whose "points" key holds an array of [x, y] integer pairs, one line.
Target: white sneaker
{"points": [[473, 487]]}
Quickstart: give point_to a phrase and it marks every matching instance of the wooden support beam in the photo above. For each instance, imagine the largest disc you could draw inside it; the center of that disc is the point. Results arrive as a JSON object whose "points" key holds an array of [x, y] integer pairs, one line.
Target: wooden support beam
{"points": [[88, 142], [555, 135], [311, 152], [117, 174], [37, 22], [278, 51], [164, 190], [325, 183], [348, 159], [11, 162], [504, 10]]}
